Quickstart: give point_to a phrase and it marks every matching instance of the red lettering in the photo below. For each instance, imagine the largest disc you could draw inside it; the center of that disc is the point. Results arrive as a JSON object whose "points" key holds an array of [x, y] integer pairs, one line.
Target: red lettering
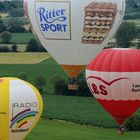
{"points": [[103, 90], [95, 89]]}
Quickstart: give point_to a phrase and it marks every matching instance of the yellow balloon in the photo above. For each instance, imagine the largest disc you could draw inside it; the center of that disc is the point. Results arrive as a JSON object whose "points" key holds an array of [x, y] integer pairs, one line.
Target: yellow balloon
{"points": [[20, 108]]}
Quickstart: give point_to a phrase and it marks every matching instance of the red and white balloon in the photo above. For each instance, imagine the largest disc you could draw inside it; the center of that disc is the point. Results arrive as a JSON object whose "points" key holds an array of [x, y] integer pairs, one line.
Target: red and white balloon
{"points": [[114, 79]]}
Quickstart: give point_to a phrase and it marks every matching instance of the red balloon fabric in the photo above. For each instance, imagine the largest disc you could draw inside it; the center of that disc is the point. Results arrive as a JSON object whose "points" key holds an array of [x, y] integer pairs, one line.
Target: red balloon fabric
{"points": [[114, 79]]}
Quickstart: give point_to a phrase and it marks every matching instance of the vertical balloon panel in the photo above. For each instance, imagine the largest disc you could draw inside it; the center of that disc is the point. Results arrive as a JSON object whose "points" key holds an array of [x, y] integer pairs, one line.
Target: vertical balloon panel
{"points": [[4, 109], [74, 31]]}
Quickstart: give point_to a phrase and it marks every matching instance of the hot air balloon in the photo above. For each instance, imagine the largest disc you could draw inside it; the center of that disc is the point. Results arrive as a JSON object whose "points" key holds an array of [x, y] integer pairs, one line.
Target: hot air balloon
{"points": [[114, 79], [74, 31], [20, 108]]}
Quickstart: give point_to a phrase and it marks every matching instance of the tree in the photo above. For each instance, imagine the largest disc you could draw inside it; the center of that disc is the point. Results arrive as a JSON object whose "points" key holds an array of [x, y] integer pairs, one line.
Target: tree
{"points": [[14, 26], [17, 29], [138, 45], [2, 27], [16, 12], [22, 76], [14, 48], [40, 82], [6, 36], [126, 33], [32, 46]]}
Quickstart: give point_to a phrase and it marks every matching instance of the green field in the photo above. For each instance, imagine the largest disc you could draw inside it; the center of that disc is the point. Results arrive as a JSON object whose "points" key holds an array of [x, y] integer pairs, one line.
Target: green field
{"points": [[137, 22], [82, 110], [54, 130], [21, 38]]}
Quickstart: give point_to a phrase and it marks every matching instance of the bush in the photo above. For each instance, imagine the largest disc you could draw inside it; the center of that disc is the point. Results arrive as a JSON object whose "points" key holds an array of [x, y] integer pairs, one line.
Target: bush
{"points": [[4, 75], [23, 76], [14, 48], [61, 87], [2, 27], [6, 36], [40, 83], [17, 29], [41, 48], [16, 12], [133, 124], [4, 49], [32, 46]]}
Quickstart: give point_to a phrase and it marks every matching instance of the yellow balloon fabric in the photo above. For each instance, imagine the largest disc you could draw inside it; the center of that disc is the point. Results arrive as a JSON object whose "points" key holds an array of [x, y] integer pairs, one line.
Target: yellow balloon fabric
{"points": [[20, 108]]}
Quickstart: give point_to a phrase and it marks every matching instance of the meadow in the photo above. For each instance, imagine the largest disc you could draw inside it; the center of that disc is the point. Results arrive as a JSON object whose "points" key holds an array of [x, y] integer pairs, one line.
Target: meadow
{"points": [[23, 58], [56, 130], [20, 38], [81, 110]]}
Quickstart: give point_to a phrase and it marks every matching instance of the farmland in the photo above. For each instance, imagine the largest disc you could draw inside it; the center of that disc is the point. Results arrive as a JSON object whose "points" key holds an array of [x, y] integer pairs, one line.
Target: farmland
{"points": [[23, 58], [21, 38]]}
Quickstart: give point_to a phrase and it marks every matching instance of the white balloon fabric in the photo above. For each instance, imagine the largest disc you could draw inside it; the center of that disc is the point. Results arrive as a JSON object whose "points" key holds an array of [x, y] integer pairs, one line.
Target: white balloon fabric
{"points": [[20, 108], [74, 31]]}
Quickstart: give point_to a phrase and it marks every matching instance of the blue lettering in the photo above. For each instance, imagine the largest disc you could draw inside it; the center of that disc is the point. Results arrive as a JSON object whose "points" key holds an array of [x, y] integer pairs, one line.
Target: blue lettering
{"points": [[59, 27], [41, 12], [64, 27], [54, 28], [62, 11], [47, 27], [42, 26], [49, 17], [58, 12]]}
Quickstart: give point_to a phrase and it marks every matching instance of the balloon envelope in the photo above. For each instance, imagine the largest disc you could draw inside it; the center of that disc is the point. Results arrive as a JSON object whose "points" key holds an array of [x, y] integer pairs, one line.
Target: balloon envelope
{"points": [[20, 108], [114, 79], [74, 31]]}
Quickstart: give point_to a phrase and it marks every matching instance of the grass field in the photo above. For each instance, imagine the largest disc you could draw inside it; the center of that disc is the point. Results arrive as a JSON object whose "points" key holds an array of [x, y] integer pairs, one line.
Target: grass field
{"points": [[54, 130], [137, 22], [82, 110], [21, 38], [20, 47], [23, 58]]}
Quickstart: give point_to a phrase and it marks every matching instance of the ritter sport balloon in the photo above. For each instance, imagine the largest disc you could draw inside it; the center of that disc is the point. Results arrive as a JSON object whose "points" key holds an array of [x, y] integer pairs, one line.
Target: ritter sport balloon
{"points": [[73, 31], [20, 108], [114, 79]]}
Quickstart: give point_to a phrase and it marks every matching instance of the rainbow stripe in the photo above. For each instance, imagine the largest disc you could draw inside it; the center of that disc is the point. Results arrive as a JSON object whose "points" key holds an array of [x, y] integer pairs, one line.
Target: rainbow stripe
{"points": [[22, 118]]}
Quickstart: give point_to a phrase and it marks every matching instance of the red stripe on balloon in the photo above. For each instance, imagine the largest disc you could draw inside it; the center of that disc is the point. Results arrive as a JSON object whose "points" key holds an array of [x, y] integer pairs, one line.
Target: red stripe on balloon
{"points": [[120, 110], [23, 124]]}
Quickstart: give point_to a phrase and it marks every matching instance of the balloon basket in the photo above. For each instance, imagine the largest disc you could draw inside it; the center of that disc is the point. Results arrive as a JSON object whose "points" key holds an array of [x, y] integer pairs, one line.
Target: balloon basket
{"points": [[121, 130], [73, 87], [73, 84]]}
